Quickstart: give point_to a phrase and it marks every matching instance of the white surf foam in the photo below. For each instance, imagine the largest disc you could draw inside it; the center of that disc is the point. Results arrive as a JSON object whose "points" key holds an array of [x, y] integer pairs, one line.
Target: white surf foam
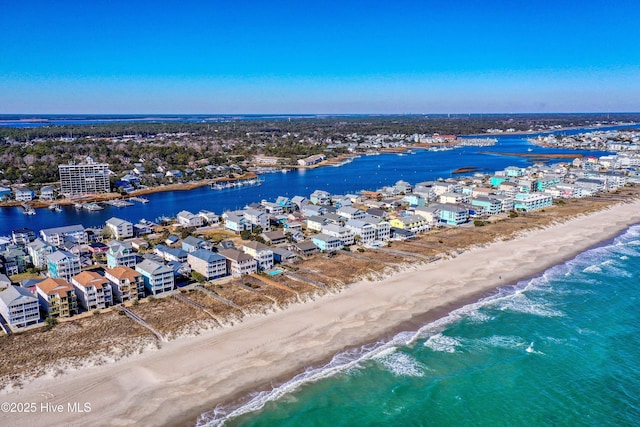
{"points": [[442, 343], [402, 365]]}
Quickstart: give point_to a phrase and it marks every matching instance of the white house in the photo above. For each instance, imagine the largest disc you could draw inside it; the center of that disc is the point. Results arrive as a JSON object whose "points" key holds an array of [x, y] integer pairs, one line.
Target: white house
{"points": [[119, 228], [93, 291], [187, 219], [261, 253], [210, 264], [19, 307], [366, 231], [346, 235], [239, 263]]}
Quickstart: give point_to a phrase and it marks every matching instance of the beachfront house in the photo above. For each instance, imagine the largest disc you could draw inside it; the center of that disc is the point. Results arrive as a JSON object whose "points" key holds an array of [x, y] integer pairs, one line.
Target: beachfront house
{"points": [[261, 253], [239, 263], [187, 219], [327, 243], [453, 214], [38, 251], [532, 202], [284, 255], [57, 298], [431, 214], [126, 283], [488, 205], [305, 248], [63, 265], [119, 228], [315, 223], [346, 235], [157, 277], [59, 235], [363, 231], [413, 223], [93, 291], [120, 254], [210, 264], [19, 307]]}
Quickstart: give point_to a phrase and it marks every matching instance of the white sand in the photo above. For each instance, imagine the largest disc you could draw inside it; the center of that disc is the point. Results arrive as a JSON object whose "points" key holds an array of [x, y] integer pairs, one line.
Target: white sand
{"points": [[189, 376]]}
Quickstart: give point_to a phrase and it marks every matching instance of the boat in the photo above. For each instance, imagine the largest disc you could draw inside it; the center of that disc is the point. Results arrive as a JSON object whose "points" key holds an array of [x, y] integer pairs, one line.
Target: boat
{"points": [[529, 149], [236, 184], [92, 207], [77, 205], [55, 207], [28, 210], [139, 199]]}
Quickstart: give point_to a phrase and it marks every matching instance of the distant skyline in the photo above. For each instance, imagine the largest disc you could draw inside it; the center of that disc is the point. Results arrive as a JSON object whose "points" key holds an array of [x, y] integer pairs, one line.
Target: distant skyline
{"points": [[278, 57]]}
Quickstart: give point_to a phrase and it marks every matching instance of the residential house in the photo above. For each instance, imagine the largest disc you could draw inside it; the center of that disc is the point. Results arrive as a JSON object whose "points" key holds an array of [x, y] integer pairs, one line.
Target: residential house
{"points": [[57, 297], [414, 223], [327, 243], [239, 263], [453, 198], [305, 248], [172, 240], [19, 307], [283, 255], [532, 202], [24, 194], [157, 277], [346, 235], [272, 208], [210, 264], [313, 210], [320, 197], [187, 219], [23, 236], [63, 265], [120, 254], [315, 223], [170, 254], [488, 205], [256, 218], [38, 251], [349, 212], [119, 228], [364, 231], [274, 237], [453, 214], [93, 291], [401, 234], [234, 222], [15, 260], [72, 233], [192, 244], [47, 193], [261, 253], [430, 213], [209, 217], [127, 284], [299, 201]]}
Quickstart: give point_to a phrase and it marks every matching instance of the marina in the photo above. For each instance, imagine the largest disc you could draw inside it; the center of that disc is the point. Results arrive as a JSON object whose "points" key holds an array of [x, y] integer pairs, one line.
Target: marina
{"points": [[237, 184]]}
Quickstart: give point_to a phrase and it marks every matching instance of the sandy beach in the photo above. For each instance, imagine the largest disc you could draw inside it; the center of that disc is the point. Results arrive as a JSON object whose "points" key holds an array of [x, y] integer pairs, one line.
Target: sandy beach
{"points": [[188, 376]]}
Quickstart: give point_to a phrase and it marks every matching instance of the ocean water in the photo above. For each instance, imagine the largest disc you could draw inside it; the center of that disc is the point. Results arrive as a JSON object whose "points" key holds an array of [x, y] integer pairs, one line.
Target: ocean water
{"points": [[560, 349]]}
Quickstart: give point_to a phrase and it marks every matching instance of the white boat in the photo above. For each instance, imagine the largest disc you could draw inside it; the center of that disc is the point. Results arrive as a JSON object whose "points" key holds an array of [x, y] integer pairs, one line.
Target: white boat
{"points": [[55, 207], [92, 207]]}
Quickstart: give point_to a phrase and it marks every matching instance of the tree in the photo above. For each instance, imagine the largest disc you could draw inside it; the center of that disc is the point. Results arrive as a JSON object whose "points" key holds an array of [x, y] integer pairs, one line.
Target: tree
{"points": [[198, 277]]}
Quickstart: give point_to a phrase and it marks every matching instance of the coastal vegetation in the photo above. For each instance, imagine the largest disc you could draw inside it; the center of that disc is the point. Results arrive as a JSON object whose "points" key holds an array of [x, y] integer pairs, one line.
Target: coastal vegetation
{"points": [[28, 154]]}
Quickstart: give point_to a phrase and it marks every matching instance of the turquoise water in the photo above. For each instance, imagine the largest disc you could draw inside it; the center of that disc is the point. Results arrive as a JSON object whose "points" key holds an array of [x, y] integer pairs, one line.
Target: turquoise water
{"points": [[559, 349]]}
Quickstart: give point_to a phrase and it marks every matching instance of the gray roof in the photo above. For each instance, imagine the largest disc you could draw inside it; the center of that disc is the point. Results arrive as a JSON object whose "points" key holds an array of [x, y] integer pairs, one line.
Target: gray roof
{"points": [[235, 255], [206, 255], [62, 230], [193, 241], [152, 267], [60, 255], [256, 245], [325, 237], [16, 295], [116, 222]]}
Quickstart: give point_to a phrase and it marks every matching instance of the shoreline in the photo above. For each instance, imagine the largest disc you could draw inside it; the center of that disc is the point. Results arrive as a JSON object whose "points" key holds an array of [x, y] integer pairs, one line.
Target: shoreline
{"points": [[189, 376]]}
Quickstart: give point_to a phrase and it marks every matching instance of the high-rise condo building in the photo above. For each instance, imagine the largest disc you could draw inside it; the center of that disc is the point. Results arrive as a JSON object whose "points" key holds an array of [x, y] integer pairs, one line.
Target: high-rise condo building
{"points": [[84, 178]]}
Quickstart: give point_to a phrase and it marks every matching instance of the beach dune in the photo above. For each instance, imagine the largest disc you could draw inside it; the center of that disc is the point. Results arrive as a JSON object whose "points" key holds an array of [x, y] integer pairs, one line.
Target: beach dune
{"points": [[188, 376]]}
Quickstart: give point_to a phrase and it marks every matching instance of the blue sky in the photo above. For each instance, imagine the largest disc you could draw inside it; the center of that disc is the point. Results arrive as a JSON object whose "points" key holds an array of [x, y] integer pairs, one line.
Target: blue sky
{"points": [[319, 57]]}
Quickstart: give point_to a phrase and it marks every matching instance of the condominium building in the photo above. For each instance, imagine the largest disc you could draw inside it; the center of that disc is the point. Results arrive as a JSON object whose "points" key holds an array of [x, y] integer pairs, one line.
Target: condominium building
{"points": [[63, 265], [210, 264], [126, 283], [119, 228], [92, 290], [84, 178], [57, 297], [158, 278], [19, 307]]}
